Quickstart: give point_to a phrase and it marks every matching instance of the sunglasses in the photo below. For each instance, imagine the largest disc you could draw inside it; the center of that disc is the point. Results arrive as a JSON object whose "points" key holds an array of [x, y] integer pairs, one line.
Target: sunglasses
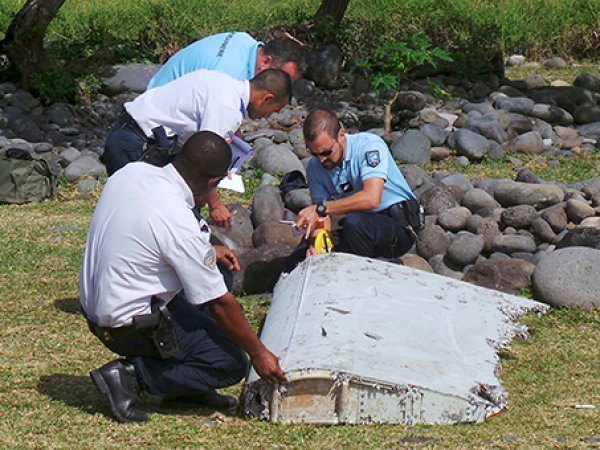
{"points": [[325, 153]]}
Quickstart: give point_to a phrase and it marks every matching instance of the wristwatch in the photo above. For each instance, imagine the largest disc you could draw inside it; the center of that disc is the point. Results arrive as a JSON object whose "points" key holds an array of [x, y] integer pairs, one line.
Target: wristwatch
{"points": [[321, 209]]}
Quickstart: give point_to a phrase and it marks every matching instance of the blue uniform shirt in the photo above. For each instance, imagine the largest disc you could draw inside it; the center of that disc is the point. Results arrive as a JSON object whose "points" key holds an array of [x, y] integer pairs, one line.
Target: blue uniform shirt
{"points": [[367, 156], [232, 53]]}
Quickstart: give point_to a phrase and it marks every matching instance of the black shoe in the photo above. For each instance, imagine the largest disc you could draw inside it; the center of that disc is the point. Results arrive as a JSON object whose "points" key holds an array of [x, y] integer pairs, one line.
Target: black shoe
{"points": [[210, 399], [117, 381]]}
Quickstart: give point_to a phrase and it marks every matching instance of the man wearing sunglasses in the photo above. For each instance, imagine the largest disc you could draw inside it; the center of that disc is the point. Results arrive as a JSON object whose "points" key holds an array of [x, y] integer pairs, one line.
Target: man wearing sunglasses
{"points": [[355, 176]]}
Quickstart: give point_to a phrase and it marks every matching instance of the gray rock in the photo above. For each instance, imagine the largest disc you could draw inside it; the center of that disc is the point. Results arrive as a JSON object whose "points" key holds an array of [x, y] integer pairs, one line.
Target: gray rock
{"points": [[277, 159], [516, 60], [457, 179], [556, 217], [462, 161], [303, 88], [60, 114], [432, 240], [469, 144], [465, 249], [418, 180], [530, 142], [534, 81], [578, 210], [538, 195], [513, 243], [436, 135], [556, 62], [502, 274], [581, 237], [587, 81], [520, 123], [476, 199], [439, 266], [454, 219], [239, 234], [323, 66], [488, 126], [481, 90], [482, 108], [86, 166], [543, 231], [127, 78], [525, 175], [267, 205], [413, 148], [88, 186], [496, 151], [569, 277], [519, 216], [68, 155], [438, 199], [410, 101], [274, 233], [590, 222], [23, 100], [297, 199], [26, 129], [587, 113], [43, 147], [520, 105], [260, 268]]}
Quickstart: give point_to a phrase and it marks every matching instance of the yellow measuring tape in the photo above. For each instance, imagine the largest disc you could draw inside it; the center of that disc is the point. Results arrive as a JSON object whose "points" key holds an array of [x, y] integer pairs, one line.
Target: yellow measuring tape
{"points": [[323, 241]]}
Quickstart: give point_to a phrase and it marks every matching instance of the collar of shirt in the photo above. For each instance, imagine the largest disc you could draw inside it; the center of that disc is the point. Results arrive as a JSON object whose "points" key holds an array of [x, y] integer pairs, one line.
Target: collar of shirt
{"points": [[252, 60], [172, 173]]}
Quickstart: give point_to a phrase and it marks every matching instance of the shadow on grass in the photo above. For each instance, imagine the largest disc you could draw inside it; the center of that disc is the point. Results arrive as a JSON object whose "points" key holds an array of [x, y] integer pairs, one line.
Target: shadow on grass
{"points": [[80, 392], [74, 390], [68, 305]]}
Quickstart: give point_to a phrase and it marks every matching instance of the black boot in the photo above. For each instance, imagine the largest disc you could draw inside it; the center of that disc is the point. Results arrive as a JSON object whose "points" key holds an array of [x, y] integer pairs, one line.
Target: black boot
{"points": [[118, 382]]}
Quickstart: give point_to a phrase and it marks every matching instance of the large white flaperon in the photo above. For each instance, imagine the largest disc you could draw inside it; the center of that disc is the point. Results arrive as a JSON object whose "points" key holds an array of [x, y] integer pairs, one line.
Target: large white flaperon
{"points": [[365, 341]]}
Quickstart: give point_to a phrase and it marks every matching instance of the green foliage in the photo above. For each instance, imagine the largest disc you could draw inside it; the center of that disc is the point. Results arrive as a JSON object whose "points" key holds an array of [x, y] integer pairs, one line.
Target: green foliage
{"points": [[391, 61]]}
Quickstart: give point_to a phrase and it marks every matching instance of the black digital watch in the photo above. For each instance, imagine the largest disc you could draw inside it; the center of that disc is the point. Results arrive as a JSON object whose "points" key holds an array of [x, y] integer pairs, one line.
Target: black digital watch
{"points": [[321, 209]]}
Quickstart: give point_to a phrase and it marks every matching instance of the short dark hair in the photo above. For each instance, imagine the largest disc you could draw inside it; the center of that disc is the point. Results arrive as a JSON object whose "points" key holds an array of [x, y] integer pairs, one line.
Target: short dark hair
{"points": [[275, 81], [204, 155], [318, 121], [282, 51]]}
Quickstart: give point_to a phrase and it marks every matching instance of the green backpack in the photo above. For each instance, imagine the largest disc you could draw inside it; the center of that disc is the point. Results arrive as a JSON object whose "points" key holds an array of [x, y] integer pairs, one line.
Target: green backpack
{"points": [[25, 178]]}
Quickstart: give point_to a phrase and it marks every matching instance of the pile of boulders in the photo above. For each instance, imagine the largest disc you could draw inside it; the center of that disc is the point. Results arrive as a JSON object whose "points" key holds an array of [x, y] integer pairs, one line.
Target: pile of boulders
{"points": [[497, 233]]}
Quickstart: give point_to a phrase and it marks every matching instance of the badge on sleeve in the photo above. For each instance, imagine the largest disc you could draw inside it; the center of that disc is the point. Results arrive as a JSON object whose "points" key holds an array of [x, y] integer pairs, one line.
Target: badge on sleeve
{"points": [[210, 259], [373, 159]]}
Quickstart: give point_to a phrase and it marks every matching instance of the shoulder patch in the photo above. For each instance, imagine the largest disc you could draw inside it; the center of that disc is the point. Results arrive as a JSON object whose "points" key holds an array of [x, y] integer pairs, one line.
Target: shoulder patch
{"points": [[210, 259], [373, 158]]}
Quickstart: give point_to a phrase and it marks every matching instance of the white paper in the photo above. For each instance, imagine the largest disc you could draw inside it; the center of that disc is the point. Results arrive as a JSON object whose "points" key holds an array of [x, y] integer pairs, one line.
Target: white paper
{"points": [[233, 182]]}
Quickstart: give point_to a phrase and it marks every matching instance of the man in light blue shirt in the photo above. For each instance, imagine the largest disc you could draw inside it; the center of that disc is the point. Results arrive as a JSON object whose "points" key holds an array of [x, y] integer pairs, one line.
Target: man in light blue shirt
{"points": [[235, 53], [355, 175]]}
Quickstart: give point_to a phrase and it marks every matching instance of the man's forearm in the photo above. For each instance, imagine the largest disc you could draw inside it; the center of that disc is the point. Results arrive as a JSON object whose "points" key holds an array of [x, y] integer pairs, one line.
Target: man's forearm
{"points": [[212, 198], [360, 201], [227, 312]]}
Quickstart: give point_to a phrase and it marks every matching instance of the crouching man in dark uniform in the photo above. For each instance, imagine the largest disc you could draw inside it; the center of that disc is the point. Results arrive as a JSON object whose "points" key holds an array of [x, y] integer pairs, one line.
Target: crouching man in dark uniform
{"points": [[355, 176], [145, 249]]}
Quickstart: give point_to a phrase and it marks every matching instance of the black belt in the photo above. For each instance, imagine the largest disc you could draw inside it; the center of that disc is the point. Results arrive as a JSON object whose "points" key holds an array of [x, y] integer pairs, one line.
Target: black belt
{"points": [[129, 122], [396, 212], [139, 323]]}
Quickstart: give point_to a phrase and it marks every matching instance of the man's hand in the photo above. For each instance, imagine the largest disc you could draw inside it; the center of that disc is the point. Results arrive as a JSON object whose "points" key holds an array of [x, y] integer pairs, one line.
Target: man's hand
{"points": [[306, 219], [220, 215], [227, 258], [266, 365]]}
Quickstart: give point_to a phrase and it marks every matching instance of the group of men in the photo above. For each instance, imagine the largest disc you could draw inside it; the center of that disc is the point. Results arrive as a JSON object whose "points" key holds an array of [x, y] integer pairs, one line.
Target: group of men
{"points": [[153, 288]]}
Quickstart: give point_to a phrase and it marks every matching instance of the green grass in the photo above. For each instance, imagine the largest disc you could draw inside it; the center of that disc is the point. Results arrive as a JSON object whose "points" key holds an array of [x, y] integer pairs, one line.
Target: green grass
{"points": [[48, 401]]}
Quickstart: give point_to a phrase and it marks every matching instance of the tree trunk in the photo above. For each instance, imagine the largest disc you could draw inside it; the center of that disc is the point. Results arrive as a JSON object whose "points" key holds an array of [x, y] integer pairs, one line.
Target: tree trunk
{"points": [[24, 40], [333, 8]]}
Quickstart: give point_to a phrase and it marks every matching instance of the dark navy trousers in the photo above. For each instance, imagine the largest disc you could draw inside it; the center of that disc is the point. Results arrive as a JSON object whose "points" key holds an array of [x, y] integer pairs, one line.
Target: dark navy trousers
{"points": [[365, 234], [124, 144], [207, 358]]}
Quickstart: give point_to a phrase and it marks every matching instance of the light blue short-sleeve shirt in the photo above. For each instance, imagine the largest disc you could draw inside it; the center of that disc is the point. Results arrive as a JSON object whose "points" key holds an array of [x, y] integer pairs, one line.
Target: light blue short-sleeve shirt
{"points": [[233, 53], [367, 156]]}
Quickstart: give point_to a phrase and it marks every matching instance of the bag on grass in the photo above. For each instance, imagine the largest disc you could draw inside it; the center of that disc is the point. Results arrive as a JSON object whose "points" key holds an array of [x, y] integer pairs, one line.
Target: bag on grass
{"points": [[25, 178]]}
